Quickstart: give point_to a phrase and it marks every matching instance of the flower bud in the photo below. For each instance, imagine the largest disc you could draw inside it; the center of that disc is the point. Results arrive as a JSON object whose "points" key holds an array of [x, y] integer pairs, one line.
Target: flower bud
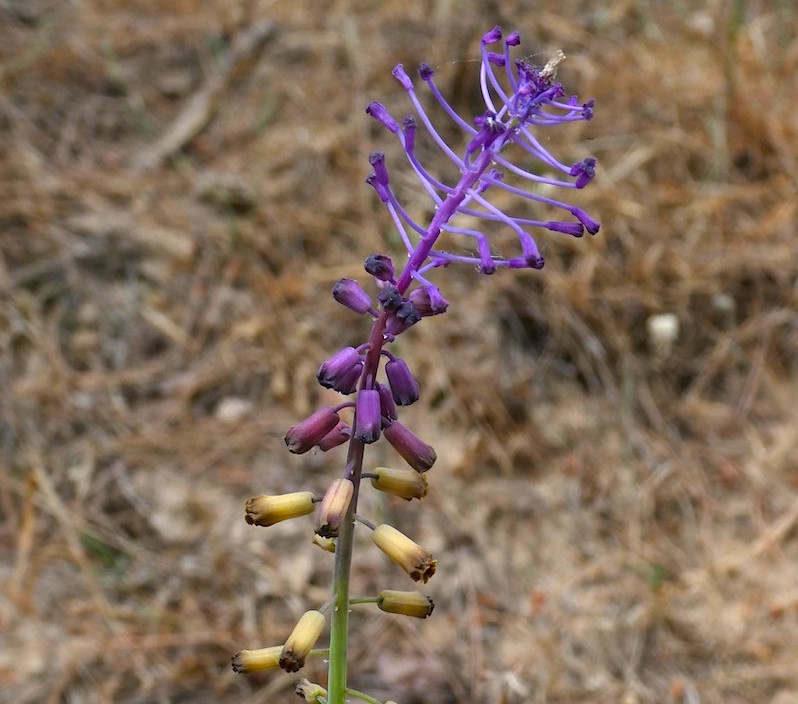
{"points": [[332, 510], [405, 483], [349, 293], [402, 318], [337, 436], [268, 510], [390, 299], [427, 300], [410, 556], [341, 372], [404, 387], [247, 661], [304, 636], [413, 449], [380, 267], [413, 604], [309, 432], [368, 418]]}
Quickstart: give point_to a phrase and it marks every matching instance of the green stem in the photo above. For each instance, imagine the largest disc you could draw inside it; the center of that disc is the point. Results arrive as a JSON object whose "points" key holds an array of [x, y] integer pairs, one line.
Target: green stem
{"points": [[364, 697], [339, 621]]}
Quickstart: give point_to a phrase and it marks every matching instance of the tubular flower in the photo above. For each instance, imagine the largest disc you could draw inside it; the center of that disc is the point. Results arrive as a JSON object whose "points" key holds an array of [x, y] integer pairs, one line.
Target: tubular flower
{"points": [[309, 432], [413, 449], [333, 507], [368, 418], [410, 556], [302, 639], [403, 385], [342, 371], [247, 661], [406, 483], [413, 604], [268, 510]]}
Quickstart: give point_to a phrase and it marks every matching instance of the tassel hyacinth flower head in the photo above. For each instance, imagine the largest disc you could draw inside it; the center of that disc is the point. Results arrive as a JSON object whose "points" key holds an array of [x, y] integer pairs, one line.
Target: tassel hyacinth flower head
{"points": [[501, 145]]}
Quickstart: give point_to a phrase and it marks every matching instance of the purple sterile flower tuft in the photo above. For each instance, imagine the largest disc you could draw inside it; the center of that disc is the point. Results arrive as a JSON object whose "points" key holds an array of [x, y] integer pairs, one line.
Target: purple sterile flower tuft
{"points": [[349, 293], [309, 432], [342, 371], [368, 416], [380, 267], [404, 387]]}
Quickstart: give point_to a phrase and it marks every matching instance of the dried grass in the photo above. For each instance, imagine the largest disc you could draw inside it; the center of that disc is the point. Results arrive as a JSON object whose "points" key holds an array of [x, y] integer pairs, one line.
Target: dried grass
{"points": [[615, 519]]}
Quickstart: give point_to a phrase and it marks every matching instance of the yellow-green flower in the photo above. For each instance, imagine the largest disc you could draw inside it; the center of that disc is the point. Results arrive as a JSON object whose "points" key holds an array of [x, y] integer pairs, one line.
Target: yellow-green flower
{"points": [[410, 556], [268, 510]]}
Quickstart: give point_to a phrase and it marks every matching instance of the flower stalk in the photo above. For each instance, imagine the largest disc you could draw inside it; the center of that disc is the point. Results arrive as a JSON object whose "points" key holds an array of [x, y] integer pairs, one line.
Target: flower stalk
{"points": [[517, 103]]}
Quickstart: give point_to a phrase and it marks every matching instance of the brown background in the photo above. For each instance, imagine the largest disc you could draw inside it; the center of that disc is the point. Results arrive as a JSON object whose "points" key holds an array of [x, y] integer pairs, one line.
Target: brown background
{"points": [[180, 185]]}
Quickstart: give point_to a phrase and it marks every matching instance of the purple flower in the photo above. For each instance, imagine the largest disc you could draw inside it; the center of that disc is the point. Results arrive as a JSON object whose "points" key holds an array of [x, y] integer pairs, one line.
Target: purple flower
{"points": [[404, 387], [519, 99], [350, 293], [342, 371], [413, 449], [368, 417], [309, 432]]}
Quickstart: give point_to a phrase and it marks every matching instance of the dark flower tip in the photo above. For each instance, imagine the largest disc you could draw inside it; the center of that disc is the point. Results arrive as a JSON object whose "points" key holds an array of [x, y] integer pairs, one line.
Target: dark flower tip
{"points": [[493, 36], [425, 71], [380, 267]]}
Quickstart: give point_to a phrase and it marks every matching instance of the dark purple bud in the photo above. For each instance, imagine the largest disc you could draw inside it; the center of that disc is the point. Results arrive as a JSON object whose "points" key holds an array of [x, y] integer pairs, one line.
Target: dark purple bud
{"points": [[390, 299], [495, 59], [380, 113], [584, 171], [513, 39], [569, 228], [380, 267], [309, 432], [341, 371], [413, 449], [425, 71], [401, 319], [337, 436], [387, 405], [493, 36], [349, 293], [400, 75], [403, 386], [587, 109], [368, 417], [590, 224], [427, 300]]}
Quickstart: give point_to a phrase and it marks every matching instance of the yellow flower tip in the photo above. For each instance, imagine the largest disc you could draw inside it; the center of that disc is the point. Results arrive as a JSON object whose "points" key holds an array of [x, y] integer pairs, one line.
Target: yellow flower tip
{"points": [[327, 544], [310, 691], [248, 661], [413, 604], [302, 639], [267, 510], [410, 556], [406, 483], [331, 512]]}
